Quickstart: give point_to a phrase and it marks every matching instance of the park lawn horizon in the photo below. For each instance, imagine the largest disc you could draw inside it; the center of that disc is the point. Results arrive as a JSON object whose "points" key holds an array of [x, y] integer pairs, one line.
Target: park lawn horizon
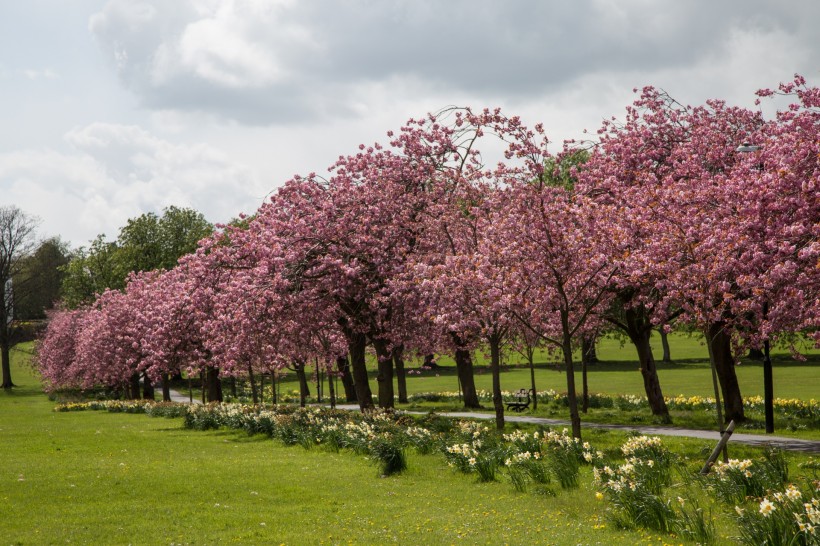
{"points": [[97, 477]]}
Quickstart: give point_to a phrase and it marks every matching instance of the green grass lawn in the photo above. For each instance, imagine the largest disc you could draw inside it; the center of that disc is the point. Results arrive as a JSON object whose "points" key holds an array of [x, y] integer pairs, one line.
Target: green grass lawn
{"points": [[102, 478]]}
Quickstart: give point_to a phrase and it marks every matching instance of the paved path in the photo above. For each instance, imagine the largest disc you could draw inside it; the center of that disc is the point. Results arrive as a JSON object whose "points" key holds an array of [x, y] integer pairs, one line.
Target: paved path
{"points": [[782, 442]]}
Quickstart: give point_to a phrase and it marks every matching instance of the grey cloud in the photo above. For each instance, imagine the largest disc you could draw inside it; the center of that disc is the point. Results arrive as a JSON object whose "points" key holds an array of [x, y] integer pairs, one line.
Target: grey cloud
{"points": [[290, 61]]}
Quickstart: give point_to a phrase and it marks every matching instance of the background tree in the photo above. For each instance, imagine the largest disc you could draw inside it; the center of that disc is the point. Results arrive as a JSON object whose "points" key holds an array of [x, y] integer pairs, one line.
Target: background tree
{"points": [[90, 272], [37, 283], [17, 242]]}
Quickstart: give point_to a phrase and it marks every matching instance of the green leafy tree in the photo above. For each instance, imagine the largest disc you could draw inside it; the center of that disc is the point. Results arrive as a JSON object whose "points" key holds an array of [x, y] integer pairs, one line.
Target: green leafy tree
{"points": [[90, 271], [147, 242], [17, 242], [37, 283]]}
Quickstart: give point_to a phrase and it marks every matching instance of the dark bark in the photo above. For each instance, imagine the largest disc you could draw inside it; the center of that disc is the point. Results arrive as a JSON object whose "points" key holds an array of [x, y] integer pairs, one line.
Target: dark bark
{"points": [[588, 352], [384, 377], [721, 343], [495, 367], [233, 387], [357, 343], [639, 330], [6, 358], [572, 398], [166, 388], [584, 384], [464, 368], [343, 365], [318, 383], [214, 384], [401, 379], [331, 390], [304, 389], [134, 387], [531, 361], [252, 381], [667, 354], [147, 388]]}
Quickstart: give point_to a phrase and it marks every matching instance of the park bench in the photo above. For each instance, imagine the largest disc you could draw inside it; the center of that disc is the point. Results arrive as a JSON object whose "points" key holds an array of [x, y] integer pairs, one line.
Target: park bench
{"points": [[522, 400]]}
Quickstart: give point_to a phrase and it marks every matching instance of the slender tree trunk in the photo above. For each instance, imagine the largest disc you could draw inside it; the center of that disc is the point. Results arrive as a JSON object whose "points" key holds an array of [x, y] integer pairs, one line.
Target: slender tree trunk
{"points": [[639, 329], [584, 383], [588, 352], [667, 354], [531, 360], [385, 373], [572, 398], [318, 382], [725, 367], [252, 381], [343, 365], [495, 367], [6, 359], [214, 384], [147, 388], [304, 389], [464, 368], [357, 343], [134, 391], [233, 386], [401, 379], [166, 387], [331, 387]]}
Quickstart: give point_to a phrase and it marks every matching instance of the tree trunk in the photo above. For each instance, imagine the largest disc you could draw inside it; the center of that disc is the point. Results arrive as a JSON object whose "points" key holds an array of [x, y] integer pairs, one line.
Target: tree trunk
{"points": [[233, 386], [385, 373], [584, 383], [401, 380], [464, 368], [357, 343], [639, 329], [147, 388], [531, 360], [588, 353], [214, 384], [304, 389], [343, 365], [495, 367], [252, 381], [572, 398], [725, 366], [331, 387], [166, 387], [134, 390], [318, 382], [667, 355], [6, 358]]}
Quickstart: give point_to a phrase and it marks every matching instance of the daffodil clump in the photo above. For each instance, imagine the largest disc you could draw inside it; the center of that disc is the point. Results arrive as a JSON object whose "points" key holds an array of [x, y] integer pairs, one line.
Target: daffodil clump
{"points": [[472, 448], [736, 480], [784, 517]]}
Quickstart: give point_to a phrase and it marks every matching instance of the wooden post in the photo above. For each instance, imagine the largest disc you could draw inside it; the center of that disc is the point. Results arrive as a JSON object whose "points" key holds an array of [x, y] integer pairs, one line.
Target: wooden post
{"points": [[720, 446]]}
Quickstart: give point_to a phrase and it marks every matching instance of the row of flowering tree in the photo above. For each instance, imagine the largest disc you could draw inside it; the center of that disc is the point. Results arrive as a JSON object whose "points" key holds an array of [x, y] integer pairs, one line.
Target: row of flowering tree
{"points": [[463, 232]]}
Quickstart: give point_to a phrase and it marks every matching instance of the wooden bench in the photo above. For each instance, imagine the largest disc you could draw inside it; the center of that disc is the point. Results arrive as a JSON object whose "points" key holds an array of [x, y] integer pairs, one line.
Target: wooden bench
{"points": [[522, 401]]}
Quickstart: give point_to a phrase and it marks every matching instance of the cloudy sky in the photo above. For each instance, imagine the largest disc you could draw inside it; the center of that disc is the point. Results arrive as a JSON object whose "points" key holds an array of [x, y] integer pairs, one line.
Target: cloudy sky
{"points": [[114, 108]]}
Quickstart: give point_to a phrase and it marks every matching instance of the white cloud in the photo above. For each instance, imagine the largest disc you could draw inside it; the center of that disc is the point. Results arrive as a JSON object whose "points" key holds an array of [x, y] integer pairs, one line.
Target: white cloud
{"points": [[118, 172]]}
